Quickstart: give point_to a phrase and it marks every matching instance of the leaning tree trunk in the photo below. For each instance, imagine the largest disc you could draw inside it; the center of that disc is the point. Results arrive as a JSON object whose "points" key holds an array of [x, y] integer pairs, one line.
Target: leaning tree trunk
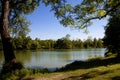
{"points": [[4, 31]]}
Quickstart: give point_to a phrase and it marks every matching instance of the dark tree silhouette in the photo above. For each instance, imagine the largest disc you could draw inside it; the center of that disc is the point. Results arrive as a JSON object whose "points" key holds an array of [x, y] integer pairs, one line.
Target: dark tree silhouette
{"points": [[6, 40], [112, 35]]}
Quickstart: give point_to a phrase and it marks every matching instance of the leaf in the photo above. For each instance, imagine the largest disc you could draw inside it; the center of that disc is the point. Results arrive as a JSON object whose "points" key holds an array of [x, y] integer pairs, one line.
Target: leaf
{"points": [[101, 12], [68, 7]]}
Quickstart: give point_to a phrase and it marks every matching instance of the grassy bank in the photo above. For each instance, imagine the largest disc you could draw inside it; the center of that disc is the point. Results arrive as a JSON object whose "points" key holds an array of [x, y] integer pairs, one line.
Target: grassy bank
{"points": [[92, 69]]}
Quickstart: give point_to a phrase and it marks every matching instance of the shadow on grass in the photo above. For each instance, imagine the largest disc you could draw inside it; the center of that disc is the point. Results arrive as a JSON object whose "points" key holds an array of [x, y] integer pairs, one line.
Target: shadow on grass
{"points": [[91, 74], [91, 63], [83, 76], [116, 78]]}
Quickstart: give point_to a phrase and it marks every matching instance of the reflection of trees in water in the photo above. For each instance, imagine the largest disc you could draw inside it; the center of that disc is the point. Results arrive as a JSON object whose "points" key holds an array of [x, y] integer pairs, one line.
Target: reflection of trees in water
{"points": [[53, 58], [49, 58], [95, 52], [41, 55], [23, 56]]}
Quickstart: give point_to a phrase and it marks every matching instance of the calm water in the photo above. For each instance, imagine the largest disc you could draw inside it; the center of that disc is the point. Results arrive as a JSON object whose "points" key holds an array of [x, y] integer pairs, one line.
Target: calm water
{"points": [[53, 58]]}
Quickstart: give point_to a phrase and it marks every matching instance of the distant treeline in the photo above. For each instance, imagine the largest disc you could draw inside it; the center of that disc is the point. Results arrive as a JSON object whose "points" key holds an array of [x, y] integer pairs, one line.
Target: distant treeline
{"points": [[27, 43]]}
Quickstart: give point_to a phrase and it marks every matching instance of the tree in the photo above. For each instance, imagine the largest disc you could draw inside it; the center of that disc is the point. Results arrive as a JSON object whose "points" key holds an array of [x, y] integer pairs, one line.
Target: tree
{"points": [[95, 43], [13, 10], [88, 43], [63, 43], [18, 43], [77, 44], [34, 45], [100, 43], [6, 41], [27, 42], [112, 35]]}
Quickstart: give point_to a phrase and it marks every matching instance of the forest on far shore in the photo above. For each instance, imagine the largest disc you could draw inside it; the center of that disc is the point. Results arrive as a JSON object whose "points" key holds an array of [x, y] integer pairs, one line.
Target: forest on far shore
{"points": [[27, 43]]}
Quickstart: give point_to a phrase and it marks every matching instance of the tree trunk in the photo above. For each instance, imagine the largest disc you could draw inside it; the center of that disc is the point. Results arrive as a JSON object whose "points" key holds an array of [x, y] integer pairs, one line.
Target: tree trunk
{"points": [[4, 31]]}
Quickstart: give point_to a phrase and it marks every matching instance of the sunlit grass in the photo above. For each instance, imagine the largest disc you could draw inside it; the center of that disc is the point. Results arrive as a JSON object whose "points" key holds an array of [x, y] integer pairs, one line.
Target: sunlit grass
{"points": [[110, 72]]}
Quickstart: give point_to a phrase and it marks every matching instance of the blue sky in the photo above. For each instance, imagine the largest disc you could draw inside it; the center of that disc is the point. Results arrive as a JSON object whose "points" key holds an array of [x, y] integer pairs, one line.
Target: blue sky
{"points": [[46, 26]]}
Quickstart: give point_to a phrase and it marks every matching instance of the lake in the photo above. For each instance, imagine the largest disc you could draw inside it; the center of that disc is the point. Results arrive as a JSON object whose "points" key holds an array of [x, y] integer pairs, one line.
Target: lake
{"points": [[54, 58]]}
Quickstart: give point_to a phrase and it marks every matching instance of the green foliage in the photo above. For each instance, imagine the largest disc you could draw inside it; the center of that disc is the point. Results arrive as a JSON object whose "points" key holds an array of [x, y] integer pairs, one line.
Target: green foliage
{"points": [[12, 71], [39, 71], [88, 43], [77, 44], [63, 44], [34, 45], [18, 23], [101, 13], [19, 29], [26, 43], [100, 43], [81, 15], [22, 74], [9, 67], [111, 39], [15, 75]]}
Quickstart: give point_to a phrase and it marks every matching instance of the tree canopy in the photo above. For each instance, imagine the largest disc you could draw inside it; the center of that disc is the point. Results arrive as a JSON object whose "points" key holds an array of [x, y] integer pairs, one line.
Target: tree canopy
{"points": [[81, 15], [18, 23]]}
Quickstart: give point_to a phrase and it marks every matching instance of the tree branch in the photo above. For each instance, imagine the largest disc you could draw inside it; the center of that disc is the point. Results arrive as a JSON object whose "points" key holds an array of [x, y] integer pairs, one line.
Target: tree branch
{"points": [[18, 19], [107, 13]]}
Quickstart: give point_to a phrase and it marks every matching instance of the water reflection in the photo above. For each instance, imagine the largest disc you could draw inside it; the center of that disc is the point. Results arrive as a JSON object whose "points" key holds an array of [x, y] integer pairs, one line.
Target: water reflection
{"points": [[54, 58], [23, 56], [49, 59]]}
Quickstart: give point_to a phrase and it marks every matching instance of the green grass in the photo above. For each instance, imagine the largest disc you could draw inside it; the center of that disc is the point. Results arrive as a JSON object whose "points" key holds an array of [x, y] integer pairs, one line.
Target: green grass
{"points": [[111, 72]]}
